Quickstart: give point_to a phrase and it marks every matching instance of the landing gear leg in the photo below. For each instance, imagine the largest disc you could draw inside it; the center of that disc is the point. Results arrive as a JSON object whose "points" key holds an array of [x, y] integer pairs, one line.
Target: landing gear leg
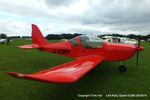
{"points": [[122, 68]]}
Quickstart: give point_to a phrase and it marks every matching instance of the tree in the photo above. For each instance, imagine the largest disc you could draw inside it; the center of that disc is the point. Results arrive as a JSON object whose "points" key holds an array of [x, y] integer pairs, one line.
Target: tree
{"points": [[61, 36], [4, 36], [131, 36]]}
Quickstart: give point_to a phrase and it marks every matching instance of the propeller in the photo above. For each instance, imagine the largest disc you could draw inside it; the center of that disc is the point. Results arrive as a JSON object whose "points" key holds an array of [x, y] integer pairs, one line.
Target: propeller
{"points": [[137, 51]]}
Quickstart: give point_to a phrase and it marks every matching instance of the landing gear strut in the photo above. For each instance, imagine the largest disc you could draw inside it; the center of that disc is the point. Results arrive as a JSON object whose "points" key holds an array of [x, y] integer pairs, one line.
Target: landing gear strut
{"points": [[122, 68]]}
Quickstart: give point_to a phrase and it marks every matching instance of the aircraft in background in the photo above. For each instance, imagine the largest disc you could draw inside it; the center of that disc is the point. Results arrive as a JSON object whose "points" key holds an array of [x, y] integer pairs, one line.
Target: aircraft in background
{"points": [[87, 50], [128, 41], [3, 40], [122, 40]]}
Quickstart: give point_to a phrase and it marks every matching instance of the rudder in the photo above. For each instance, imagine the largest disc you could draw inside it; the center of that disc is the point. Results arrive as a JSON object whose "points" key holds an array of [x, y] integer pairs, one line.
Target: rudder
{"points": [[37, 37]]}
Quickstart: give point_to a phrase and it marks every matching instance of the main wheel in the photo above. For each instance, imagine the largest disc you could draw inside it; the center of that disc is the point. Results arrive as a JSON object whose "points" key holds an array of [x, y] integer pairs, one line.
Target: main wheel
{"points": [[122, 68]]}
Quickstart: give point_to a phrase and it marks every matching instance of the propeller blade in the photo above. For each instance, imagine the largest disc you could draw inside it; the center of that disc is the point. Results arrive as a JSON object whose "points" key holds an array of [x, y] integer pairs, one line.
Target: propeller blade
{"points": [[137, 58], [137, 52], [138, 43]]}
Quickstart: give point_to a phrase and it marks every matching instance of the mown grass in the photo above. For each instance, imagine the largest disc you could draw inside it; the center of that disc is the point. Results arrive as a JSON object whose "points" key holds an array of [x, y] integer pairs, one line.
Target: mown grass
{"points": [[105, 79]]}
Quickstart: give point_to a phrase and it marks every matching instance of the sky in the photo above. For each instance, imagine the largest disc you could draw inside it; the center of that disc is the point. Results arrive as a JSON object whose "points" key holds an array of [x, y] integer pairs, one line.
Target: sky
{"points": [[75, 16]]}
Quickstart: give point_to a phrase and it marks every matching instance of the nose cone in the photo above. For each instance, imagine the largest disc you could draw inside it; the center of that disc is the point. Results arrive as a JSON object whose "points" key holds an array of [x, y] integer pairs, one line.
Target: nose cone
{"points": [[140, 48]]}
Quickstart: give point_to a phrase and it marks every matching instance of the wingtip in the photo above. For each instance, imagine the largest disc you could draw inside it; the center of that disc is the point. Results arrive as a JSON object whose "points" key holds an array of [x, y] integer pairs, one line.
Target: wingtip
{"points": [[15, 74], [41, 78]]}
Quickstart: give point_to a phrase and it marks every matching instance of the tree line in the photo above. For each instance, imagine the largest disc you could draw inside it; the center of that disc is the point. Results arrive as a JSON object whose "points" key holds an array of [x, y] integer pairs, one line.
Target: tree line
{"points": [[61, 36], [70, 36]]}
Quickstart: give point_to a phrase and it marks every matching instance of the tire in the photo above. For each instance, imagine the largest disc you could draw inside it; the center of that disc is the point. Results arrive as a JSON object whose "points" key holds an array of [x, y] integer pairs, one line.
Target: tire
{"points": [[122, 68]]}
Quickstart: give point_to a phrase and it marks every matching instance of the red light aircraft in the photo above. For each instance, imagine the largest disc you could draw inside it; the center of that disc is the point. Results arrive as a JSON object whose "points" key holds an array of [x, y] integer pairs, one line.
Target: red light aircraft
{"points": [[88, 52]]}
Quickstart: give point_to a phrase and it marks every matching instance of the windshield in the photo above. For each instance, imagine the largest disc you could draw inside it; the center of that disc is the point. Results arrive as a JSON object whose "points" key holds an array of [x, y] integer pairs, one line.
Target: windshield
{"points": [[74, 42], [91, 42]]}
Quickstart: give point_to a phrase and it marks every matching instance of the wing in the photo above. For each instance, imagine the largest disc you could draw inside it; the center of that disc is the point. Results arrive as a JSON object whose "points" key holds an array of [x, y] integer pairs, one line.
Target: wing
{"points": [[66, 73]]}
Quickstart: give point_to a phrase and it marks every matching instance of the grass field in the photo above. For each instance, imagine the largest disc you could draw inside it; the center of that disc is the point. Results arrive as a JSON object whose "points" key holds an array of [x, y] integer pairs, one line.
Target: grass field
{"points": [[105, 79]]}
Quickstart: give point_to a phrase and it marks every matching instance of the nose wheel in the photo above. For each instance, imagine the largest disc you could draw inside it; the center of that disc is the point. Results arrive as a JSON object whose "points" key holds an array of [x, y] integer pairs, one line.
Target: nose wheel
{"points": [[122, 68]]}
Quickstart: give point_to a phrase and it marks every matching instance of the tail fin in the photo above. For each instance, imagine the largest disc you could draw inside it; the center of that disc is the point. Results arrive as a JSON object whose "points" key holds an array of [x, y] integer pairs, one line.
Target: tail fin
{"points": [[37, 37]]}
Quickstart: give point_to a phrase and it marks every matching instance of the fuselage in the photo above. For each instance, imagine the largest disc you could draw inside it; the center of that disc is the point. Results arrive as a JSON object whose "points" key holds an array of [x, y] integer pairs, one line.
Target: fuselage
{"points": [[109, 51]]}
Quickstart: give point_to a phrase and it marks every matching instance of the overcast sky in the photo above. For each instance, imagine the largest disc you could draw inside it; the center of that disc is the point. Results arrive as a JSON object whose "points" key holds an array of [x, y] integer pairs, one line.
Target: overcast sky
{"points": [[82, 16]]}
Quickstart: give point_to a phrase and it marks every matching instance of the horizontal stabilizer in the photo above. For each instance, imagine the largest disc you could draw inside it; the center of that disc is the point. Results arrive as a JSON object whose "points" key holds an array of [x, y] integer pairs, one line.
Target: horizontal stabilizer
{"points": [[34, 46]]}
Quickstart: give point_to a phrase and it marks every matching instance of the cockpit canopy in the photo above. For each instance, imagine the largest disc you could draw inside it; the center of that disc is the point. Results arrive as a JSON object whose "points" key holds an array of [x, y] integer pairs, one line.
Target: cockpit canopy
{"points": [[88, 42]]}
